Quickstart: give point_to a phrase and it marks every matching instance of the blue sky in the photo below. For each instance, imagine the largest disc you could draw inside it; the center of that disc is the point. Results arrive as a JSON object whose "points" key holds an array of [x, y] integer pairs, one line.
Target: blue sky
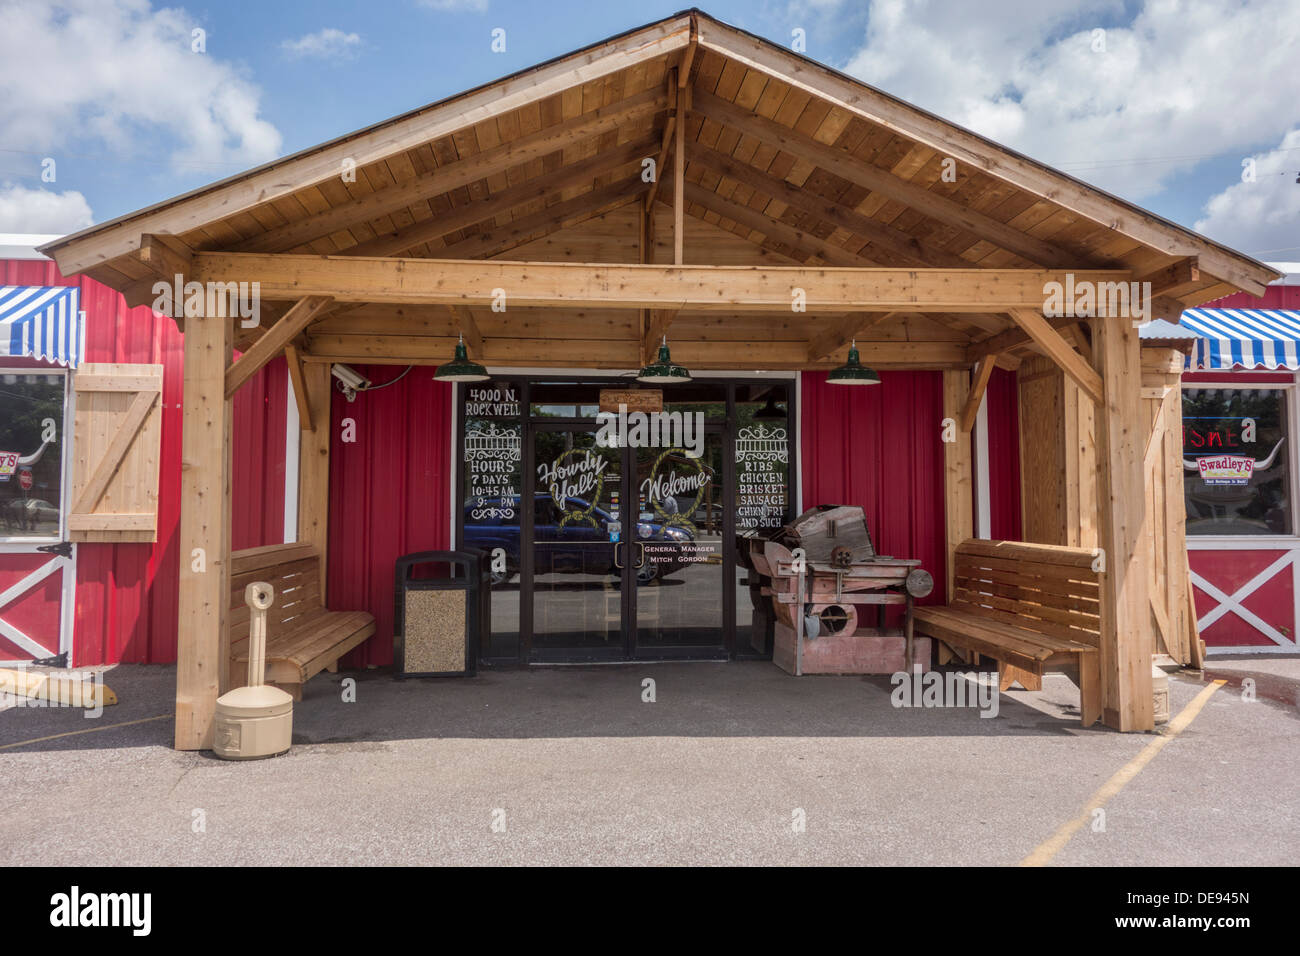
{"points": [[1163, 114]]}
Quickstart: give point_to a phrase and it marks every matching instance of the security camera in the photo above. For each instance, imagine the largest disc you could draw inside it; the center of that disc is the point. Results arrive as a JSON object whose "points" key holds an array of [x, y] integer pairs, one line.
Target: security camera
{"points": [[350, 382]]}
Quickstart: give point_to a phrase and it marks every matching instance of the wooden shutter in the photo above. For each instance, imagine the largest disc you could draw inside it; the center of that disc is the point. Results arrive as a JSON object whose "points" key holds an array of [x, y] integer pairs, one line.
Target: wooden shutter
{"points": [[116, 436]]}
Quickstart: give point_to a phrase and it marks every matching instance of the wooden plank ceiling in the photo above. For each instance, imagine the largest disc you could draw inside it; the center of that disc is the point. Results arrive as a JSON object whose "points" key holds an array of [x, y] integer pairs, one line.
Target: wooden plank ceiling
{"points": [[773, 174]]}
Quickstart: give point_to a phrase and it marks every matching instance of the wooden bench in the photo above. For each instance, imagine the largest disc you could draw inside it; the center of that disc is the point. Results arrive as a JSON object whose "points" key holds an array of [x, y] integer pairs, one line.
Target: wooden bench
{"points": [[303, 638], [1030, 607]]}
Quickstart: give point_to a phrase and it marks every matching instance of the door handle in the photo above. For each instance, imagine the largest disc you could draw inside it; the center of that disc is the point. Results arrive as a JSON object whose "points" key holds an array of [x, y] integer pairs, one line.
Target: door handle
{"points": [[641, 563], [617, 545]]}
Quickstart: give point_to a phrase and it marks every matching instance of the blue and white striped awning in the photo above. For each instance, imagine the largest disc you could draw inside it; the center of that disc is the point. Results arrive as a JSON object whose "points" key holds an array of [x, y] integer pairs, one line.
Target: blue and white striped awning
{"points": [[1244, 338], [42, 322]]}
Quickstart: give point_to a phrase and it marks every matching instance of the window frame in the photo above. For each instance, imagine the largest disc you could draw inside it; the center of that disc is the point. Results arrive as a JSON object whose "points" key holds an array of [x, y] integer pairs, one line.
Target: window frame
{"points": [[11, 543], [1291, 400]]}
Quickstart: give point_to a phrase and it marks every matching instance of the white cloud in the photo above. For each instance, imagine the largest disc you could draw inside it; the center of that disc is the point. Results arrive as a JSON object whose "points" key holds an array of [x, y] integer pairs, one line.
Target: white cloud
{"points": [[85, 74], [1177, 82], [1261, 218], [328, 44], [41, 211]]}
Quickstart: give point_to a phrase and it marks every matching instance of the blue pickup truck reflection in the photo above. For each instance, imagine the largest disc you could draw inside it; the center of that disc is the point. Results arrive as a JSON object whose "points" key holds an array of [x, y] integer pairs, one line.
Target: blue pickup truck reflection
{"points": [[579, 545]]}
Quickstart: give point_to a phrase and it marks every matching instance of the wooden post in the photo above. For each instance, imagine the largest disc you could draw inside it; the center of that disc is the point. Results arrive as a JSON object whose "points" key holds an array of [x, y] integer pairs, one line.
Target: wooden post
{"points": [[958, 504], [314, 466], [1126, 639], [203, 641]]}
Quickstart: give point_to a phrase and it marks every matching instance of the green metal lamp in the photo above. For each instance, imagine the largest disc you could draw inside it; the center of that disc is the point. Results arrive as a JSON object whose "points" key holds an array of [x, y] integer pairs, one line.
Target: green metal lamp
{"points": [[460, 368], [663, 371], [853, 372]]}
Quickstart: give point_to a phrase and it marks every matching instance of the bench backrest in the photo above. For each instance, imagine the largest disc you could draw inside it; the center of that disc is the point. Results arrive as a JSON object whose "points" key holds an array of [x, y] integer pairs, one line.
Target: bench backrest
{"points": [[293, 570], [1044, 588]]}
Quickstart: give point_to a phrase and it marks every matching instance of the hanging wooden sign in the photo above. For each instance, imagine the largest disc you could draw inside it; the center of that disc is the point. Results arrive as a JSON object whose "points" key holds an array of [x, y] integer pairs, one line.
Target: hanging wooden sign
{"points": [[646, 400]]}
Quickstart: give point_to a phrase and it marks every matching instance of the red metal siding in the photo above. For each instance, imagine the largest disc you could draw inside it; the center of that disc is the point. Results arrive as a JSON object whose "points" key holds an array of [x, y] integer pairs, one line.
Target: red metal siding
{"points": [[389, 494], [127, 594], [880, 447], [1003, 400], [1274, 297]]}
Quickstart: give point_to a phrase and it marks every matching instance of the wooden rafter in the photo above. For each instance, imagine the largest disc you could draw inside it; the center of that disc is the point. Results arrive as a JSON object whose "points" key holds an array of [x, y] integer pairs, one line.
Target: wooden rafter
{"points": [[1014, 337], [502, 238], [458, 173], [540, 188], [803, 243], [679, 177], [165, 257], [276, 338], [824, 341], [1059, 351], [975, 152], [904, 245], [666, 139], [853, 170]]}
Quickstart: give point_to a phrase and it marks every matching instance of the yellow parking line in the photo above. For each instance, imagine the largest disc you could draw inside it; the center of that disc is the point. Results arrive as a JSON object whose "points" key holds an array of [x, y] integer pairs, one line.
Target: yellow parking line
{"points": [[88, 730], [1053, 845]]}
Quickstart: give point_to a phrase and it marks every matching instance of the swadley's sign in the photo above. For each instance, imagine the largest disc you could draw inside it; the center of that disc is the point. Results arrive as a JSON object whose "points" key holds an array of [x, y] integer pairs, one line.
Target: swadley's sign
{"points": [[1226, 469], [8, 464]]}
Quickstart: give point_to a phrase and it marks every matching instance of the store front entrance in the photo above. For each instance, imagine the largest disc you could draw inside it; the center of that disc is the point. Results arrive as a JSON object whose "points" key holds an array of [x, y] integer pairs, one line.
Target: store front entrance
{"points": [[612, 513]]}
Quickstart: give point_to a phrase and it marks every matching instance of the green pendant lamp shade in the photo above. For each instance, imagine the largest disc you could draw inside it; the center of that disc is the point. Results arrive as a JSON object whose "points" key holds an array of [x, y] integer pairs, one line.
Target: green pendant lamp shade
{"points": [[460, 368], [853, 372], [663, 372]]}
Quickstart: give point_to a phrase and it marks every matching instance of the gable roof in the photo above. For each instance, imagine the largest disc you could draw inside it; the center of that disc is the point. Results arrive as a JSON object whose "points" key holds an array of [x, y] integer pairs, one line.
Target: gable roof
{"points": [[797, 157]]}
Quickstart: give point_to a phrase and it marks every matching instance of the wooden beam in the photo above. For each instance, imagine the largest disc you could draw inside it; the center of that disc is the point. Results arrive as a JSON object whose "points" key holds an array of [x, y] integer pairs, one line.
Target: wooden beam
{"points": [[959, 506], [1174, 279], [314, 466], [468, 328], [294, 360], [1126, 641], [666, 141], [851, 169], [803, 243], [979, 383], [1059, 351], [499, 239], [1014, 337], [975, 152], [301, 315], [656, 329], [583, 171], [390, 349], [826, 340], [203, 641], [166, 257], [902, 244], [679, 177], [570, 285]]}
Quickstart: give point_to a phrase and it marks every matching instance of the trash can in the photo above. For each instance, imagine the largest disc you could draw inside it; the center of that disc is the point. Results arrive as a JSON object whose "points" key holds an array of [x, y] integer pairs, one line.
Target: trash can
{"points": [[440, 622]]}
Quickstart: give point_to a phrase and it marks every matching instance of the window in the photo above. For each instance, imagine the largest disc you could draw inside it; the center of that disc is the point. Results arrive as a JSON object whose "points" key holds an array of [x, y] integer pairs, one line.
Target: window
{"points": [[1236, 462], [31, 453]]}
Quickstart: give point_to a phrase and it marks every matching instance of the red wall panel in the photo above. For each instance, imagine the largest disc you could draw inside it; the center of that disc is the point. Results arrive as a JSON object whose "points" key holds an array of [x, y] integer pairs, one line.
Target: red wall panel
{"points": [[389, 493], [880, 447], [1003, 399], [127, 594]]}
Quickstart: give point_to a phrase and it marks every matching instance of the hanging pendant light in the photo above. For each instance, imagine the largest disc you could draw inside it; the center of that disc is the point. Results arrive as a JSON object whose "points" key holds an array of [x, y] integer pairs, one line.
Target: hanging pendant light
{"points": [[460, 368], [770, 412], [853, 372], [663, 371]]}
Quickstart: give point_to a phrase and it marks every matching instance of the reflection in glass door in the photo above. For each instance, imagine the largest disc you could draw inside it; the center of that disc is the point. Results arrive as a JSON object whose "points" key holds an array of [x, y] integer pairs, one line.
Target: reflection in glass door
{"points": [[678, 550], [577, 542]]}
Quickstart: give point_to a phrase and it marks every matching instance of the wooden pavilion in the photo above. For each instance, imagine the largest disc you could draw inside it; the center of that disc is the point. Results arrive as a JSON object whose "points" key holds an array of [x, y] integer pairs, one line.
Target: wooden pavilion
{"points": [[683, 179]]}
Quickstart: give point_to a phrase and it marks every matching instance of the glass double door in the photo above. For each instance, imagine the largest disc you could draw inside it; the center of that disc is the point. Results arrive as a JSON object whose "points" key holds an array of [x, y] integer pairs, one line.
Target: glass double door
{"points": [[624, 546]]}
